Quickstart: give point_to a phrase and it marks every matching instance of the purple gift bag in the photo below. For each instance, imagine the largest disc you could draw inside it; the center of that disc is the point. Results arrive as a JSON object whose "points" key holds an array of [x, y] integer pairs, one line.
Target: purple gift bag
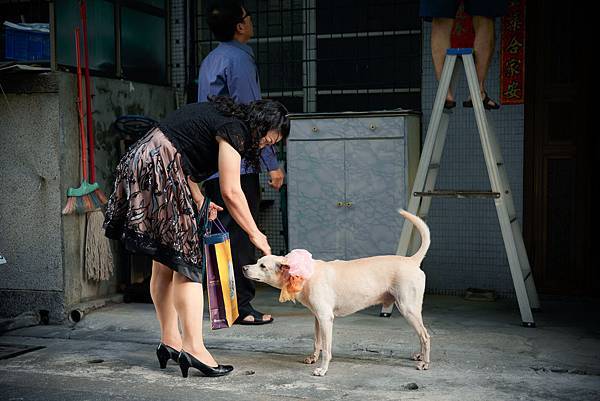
{"points": [[220, 279]]}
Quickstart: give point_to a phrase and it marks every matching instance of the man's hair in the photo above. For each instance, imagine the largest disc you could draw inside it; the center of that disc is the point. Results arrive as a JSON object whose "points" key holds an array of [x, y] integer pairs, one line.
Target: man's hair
{"points": [[223, 17]]}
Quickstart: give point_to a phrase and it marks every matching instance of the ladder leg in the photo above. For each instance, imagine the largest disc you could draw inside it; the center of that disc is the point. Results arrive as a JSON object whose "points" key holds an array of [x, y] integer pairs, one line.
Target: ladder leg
{"points": [[534, 301], [408, 246], [434, 166], [515, 226], [423, 204], [514, 264], [418, 206], [438, 122], [501, 207]]}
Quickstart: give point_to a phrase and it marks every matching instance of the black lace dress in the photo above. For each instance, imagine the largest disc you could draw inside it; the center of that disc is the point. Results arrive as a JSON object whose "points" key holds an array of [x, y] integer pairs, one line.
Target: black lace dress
{"points": [[151, 208]]}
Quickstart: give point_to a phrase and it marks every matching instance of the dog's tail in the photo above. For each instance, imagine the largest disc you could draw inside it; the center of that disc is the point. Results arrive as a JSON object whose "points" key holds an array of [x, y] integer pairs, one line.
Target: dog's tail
{"points": [[423, 230]]}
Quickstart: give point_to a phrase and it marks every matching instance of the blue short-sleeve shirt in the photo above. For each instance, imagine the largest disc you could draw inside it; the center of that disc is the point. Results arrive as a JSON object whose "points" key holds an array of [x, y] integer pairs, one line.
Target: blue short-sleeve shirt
{"points": [[230, 70]]}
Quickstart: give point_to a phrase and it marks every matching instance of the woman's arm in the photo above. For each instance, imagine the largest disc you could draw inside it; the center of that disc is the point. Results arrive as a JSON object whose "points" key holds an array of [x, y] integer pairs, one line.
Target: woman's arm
{"points": [[199, 200], [235, 200], [196, 193]]}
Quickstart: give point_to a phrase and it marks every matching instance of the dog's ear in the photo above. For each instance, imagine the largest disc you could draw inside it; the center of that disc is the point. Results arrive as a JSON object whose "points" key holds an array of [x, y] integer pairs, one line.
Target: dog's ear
{"points": [[291, 286], [283, 263]]}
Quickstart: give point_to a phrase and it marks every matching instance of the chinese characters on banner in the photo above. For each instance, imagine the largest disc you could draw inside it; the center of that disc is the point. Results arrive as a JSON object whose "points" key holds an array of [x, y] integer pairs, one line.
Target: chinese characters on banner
{"points": [[512, 54]]}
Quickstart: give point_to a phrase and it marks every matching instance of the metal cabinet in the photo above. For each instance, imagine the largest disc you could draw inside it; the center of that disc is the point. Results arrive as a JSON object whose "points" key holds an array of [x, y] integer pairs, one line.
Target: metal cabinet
{"points": [[348, 173]]}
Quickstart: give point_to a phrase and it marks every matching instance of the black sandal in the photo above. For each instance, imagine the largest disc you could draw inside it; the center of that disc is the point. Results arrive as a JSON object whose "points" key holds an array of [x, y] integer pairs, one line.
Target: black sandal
{"points": [[486, 103], [258, 320], [449, 104]]}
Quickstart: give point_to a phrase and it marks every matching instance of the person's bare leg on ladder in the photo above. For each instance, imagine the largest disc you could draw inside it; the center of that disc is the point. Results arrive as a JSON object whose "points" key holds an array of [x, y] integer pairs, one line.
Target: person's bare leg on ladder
{"points": [[483, 48], [441, 29]]}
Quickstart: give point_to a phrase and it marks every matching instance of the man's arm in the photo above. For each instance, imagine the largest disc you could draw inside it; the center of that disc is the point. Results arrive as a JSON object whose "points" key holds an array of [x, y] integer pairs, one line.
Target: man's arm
{"points": [[268, 158], [269, 162]]}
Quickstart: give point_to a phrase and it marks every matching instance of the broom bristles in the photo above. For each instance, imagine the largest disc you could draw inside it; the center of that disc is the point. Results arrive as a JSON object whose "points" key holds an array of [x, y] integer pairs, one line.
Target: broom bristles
{"points": [[81, 204], [85, 198], [102, 200], [96, 204], [70, 206]]}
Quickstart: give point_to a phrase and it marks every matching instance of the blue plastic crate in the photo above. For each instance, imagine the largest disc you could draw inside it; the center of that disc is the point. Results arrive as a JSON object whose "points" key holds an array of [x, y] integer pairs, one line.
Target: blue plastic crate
{"points": [[26, 45]]}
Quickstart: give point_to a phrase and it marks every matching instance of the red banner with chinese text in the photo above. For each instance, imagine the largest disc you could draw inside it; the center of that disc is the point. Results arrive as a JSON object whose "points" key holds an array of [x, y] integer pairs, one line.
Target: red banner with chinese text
{"points": [[512, 54]]}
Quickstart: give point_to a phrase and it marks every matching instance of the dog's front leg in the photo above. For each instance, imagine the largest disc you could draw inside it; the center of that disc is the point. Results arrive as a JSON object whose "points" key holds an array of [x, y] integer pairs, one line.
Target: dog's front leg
{"points": [[326, 330], [314, 357]]}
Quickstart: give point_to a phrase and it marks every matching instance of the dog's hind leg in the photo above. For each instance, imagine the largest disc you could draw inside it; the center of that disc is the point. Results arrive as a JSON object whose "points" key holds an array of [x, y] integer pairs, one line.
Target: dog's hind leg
{"points": [[413, 317], [326, 330], [315, 355]]}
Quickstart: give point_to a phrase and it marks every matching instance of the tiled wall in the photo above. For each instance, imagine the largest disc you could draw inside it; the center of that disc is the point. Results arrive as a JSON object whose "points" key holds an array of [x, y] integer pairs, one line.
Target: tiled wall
{"points": [[467, 249]]}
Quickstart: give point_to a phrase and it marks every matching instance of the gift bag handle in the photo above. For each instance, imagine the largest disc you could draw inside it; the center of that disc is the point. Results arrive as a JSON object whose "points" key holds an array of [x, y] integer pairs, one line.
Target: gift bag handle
{"points": [[217, 223], [207, 227], [203, 213]]}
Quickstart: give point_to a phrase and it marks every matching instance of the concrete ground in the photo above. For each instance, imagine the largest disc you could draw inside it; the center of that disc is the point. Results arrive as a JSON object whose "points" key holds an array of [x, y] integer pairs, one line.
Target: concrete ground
{"points": [[479, 352]]}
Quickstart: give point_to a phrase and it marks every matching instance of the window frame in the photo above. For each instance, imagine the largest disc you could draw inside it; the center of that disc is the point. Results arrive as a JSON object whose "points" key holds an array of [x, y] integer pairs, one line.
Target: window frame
{"points": [[309, 37], [136, 5]]}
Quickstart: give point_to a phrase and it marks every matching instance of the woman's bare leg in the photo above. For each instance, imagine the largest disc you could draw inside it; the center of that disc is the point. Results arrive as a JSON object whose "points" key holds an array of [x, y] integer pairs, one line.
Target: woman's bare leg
{"points": [[161, 290], [189, 303]]}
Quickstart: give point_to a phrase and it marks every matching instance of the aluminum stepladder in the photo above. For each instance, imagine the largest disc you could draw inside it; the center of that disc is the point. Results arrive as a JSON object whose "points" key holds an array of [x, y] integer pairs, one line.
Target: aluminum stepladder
{"points": [[423, 187]]}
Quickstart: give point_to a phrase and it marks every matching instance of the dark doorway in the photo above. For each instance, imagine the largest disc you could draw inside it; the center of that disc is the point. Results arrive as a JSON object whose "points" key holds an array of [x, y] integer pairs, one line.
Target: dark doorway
{"points": [[559, 149]]}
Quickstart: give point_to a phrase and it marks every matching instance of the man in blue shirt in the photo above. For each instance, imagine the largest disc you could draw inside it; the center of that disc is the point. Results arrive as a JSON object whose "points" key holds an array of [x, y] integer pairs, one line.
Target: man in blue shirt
{"points": [[230, 69]]}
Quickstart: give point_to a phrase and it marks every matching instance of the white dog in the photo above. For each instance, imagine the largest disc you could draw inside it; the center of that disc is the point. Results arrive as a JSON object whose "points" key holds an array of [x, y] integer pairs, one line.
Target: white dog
{"points": [[340, 288]]}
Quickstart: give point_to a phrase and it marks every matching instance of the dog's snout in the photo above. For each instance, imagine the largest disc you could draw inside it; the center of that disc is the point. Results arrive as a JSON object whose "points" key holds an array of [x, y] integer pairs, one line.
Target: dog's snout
{"points": [[245, 268]]}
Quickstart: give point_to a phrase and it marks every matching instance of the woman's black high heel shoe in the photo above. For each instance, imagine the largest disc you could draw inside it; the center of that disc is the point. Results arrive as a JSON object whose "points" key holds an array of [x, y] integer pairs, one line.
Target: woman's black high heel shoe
{"points": [[164, 353], [187, 361]]}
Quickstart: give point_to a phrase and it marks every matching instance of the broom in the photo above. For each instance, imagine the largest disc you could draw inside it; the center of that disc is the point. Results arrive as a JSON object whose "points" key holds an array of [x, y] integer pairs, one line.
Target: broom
{"points": [[84, 198], [98, 255], [88, 103]]}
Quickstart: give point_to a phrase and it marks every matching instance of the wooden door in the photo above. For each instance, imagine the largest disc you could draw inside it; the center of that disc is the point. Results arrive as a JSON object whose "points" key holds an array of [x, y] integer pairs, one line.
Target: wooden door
{"points": [[558, 149]]}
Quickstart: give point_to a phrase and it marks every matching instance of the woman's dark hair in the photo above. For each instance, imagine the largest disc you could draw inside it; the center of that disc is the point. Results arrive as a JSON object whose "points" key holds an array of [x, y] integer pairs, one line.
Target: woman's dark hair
{"points": [[261, 116], [223, 17]]}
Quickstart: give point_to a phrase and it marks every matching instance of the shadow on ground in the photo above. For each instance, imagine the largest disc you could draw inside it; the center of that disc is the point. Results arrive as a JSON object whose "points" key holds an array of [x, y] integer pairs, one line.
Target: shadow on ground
{"points": [[479, 352]]}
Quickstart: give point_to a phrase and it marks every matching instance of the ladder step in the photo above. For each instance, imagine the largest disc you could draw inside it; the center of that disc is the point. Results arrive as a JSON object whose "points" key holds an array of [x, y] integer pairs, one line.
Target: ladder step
{"points": [[458, 194], [459, 51]]}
